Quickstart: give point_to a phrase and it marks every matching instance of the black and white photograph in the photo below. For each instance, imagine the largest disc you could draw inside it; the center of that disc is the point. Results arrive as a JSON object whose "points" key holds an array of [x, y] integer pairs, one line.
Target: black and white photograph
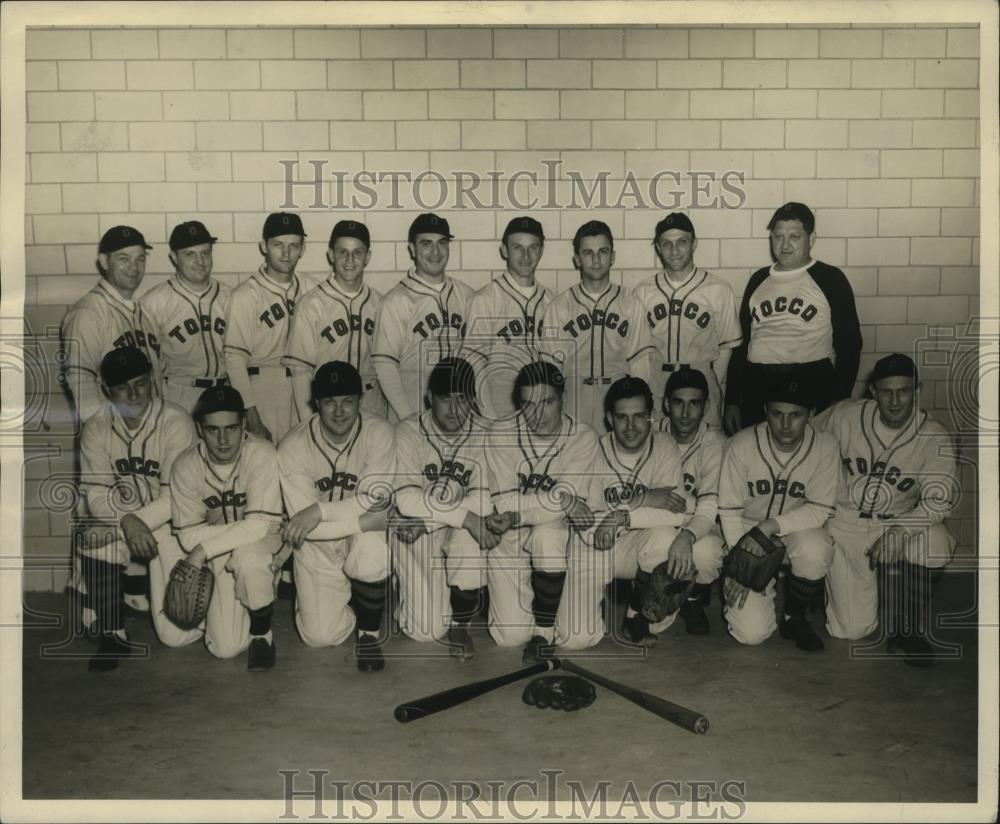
{"points": [[565, 411]]}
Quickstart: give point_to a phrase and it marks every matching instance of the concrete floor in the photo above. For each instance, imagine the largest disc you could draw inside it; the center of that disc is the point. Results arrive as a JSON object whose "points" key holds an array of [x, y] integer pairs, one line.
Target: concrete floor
{"points": [[794, 727]]}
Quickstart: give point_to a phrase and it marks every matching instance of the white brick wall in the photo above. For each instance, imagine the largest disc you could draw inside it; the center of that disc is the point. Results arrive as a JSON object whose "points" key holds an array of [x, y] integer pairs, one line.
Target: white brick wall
{"points": [[875, 127]]}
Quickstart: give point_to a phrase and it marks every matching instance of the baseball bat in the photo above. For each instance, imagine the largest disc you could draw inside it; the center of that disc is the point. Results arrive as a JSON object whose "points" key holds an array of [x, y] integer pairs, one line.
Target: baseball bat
{"points": [[674, 713], [429, 704]]}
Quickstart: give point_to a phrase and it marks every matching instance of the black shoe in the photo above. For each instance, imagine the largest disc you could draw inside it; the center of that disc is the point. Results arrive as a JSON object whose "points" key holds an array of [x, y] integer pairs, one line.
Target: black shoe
{"points": [[537, 650], [636, 631], [261, 655], [286, 588], [695, 619], [460, 644], [916, 651], [110, 651], [368, 653], [799, 630]]}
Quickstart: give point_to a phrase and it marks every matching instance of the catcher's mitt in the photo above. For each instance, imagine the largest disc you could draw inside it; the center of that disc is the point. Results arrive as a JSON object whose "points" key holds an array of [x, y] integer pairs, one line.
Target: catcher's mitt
{"points": [[560, 692], [188, 592], [661, 594], [755, 560]]}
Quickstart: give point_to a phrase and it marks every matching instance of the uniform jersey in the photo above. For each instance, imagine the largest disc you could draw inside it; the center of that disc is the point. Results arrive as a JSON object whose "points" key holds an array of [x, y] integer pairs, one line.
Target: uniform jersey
{"points": [[330, 324], [620, 477], [190, 328], [790, 320], [691, 321], [889, 473], [701, 463], [797, 489], [98, 322], [260, 313], [602, 337]]}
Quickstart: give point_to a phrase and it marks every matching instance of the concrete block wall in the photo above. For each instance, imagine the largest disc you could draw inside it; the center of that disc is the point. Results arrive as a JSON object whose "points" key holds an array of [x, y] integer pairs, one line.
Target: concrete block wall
{"points": [[876, 128]]}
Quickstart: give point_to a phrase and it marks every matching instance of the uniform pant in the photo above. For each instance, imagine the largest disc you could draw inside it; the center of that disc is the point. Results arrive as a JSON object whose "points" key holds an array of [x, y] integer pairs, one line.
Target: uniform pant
{"points": [[106, 544], [426, 569], [180, 392], [713, 406], [585, 401], [810, 553], [851, 584], [169, 552], [272, 388], [757, 377], [323, 573]]}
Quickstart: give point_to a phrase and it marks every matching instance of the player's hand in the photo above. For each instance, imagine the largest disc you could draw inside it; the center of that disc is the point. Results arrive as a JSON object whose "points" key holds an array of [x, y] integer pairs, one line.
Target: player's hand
{"points": [[197, 557], [477, 528], [577, 513], [300, 525], [606, 532], [500, 522], [410, 529], [664, 497], [141, 543], [732, 421], [889, 548], [769, 527], [255, 425], [735, 593], [680, 556]]}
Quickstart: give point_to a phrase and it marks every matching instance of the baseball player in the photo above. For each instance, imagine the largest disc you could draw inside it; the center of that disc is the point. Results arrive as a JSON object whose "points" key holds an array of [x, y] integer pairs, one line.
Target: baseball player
{"points": [[260, 312], [797, 315], [226, 512], [126, 453], [701, 448], [539, 487], [332, 461], [691, 312], [596, 332], [421, 320], [780, 476], [504, 319], [898, 485], [336, 320], [189, 315], [441, 486]]}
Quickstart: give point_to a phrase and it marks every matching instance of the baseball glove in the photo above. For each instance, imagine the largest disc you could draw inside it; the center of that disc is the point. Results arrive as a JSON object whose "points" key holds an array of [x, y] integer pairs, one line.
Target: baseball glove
{"points": [[755, 560], [188, 593], [661, 595], [560, 692]]}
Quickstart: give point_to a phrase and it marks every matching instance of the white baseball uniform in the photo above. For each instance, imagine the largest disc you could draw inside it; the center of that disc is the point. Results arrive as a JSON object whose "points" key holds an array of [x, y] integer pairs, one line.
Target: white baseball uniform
{"points": [[502, 336], [314, 470], [124, 471], [905, 477], [234, 512], [692, 322], [98, 322], [417, 325], [798, 490], [440, 477], [190, 328], [329, 324], [525, 477], [260, 312], [595, 341]]}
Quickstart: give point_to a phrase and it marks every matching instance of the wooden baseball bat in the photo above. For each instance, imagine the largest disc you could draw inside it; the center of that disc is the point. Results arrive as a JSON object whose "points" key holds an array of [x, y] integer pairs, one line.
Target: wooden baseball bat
{"points": [[674, 713], [429, 704]]}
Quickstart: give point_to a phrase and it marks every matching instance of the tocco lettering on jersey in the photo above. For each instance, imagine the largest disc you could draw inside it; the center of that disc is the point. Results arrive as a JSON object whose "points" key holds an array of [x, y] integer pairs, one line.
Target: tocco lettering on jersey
{"points": [[623, 493], [764, 487], [433, 322], [879, 470], [339, 328], [193, 326], [516, 329], [449, 469], [535, 481], [228, 498], [276, 312], [587, 320], [136, 338], [781, 305], [338, 480], [677, 308], [135, 465]]}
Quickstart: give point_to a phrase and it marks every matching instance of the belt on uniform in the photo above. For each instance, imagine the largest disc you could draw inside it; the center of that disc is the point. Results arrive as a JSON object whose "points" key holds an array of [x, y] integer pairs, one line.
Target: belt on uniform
{"points": [[200, 383], [881, 516], [674, 367], [255, 370], [596, 381], [786, 367]]}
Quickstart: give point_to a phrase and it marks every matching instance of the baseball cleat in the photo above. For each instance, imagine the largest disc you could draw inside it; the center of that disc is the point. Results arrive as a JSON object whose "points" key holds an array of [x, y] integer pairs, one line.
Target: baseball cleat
{"points": [[537, 650], [799, 630], [111, 650], [695, 619], [916, 651], [635, 629], [260, 655], [368, 653], [460, 644]]}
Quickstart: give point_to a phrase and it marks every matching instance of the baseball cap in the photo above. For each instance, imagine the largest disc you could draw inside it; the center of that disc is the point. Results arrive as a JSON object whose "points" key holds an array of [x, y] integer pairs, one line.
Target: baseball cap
{"points": [[218, 399], [453, 376], [593, 227], [794, 211], [430, 224], [350, 228], [123, 364], [687, 379], [894, 365], [121, 237], [791, 388], [675, 220], [188, 234], [527, 225], [283, 223], [335, 379]]}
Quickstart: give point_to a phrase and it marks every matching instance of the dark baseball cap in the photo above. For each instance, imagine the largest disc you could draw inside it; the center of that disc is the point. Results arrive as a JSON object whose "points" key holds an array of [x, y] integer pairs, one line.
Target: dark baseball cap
{"points": [[687, 379], [121, 237], [429, 224], [894, 365], [452, 376], [792, 388], [335, 379], [794, 211], [218, 399], [527, 225], [675, 220], [283, 223], [350, 228], [188, 234], [123, 364], [593, 227]]}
